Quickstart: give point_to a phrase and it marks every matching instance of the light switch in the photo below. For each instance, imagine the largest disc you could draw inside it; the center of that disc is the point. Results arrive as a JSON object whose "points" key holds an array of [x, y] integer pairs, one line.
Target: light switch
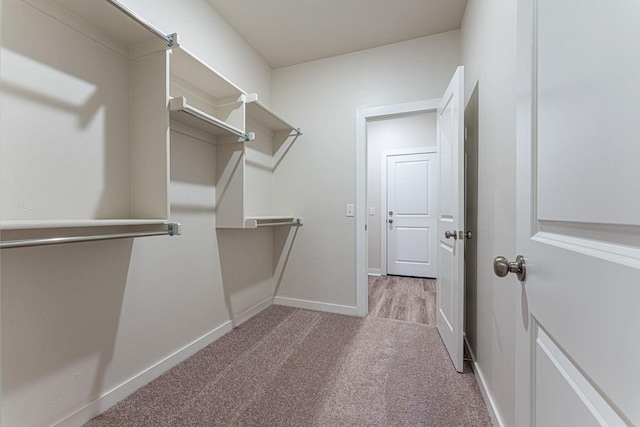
{"points": [[351, 211], [372, 211]]}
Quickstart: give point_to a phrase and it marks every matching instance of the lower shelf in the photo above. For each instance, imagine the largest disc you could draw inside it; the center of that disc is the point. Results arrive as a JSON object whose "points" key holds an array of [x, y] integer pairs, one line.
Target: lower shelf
{"points": [[273, 221]]}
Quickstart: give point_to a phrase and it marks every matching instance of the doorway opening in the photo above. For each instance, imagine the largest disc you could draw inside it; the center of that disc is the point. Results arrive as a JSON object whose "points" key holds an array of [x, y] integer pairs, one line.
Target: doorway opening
{"points": [[388, 117], [402, 175], [450, 214]]}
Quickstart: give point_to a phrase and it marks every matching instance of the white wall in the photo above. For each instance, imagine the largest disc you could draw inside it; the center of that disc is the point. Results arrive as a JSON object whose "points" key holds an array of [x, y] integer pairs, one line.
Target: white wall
{"points": [[81, 319], [410, 131], [319, 177], [488, 53]]}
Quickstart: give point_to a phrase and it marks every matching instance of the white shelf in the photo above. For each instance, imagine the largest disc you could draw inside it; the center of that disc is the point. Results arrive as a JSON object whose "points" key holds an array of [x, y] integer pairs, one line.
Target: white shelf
{"points": [[111, 18], [272, 221], [248, 178], [75, 223], [264, 116], [197, 73], [191, 116], [204, 99]]}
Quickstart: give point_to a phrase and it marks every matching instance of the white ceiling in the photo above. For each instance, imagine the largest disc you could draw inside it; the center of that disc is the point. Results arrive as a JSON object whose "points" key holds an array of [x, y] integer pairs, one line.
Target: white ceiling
{"points": [[288, 32]]}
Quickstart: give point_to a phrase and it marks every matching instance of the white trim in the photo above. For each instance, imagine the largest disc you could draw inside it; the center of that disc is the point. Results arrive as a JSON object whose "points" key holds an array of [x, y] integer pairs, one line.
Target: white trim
{"points": [[362, 116], [317, 306], [123, 390], [489, 402], [409, 151], [248, 314], [375, 272], [384, 251]]}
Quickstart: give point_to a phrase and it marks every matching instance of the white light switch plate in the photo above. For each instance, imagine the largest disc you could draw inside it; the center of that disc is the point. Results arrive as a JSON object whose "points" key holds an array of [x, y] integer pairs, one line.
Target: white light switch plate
{"points": [[372, 211], [351, 210]]}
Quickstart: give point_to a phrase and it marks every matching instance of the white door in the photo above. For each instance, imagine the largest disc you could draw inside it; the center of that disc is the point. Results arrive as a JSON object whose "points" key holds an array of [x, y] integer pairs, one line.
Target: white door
{"points": [[451, 218], [578, 204], [411, 214]]}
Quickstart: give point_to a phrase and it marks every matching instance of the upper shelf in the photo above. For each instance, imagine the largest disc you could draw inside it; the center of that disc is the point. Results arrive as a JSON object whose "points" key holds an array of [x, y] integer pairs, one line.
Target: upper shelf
{"points": [[266, 117], [115, 20], [193, 70]]}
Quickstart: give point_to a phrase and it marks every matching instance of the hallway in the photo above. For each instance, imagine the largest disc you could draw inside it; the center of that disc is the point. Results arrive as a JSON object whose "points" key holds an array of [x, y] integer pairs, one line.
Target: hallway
{"points": [[411, 299]]}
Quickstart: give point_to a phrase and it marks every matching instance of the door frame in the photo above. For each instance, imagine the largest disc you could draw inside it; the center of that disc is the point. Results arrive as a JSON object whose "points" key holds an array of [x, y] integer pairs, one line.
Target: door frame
{"points": [[383, 196], [364, 115]]}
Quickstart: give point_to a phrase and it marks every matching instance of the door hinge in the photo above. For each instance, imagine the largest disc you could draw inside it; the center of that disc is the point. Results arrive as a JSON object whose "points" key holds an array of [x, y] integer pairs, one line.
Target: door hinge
{"points": [[365, 227]]}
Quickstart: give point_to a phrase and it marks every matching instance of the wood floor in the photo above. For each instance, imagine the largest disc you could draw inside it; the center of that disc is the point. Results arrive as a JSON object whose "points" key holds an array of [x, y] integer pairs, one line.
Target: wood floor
{"points": [[408, 299]]}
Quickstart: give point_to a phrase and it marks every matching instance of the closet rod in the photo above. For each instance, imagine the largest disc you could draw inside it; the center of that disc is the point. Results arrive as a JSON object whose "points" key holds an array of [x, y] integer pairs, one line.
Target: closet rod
{"points": [[169, 39], [172, 230], [274, 224]]}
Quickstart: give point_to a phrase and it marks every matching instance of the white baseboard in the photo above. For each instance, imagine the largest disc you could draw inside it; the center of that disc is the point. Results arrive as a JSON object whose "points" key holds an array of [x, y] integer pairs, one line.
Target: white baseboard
{"points": [[123, 390], [375, 272], [240, 319], [486, 395], [317, 306]]}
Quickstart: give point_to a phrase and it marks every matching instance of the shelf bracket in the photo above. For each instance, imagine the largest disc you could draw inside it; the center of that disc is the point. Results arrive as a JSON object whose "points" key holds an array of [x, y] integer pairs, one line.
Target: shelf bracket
{"points": [[174, 229]]}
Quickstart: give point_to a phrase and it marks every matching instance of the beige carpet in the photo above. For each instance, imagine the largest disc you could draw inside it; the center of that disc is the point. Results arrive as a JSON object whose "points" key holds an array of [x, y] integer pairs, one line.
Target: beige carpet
{"points": [[291, 367]]}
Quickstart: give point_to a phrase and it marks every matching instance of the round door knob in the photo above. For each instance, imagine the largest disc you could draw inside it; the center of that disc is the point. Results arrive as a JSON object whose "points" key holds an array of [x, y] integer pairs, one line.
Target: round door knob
{"points": [[502, 267], [450, 234], [390, 221]]}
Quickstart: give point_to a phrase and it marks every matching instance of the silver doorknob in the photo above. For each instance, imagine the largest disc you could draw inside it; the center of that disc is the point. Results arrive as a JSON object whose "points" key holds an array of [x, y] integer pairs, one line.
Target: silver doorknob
{"points": [[390, 221], [502, 267], [450, 234]]}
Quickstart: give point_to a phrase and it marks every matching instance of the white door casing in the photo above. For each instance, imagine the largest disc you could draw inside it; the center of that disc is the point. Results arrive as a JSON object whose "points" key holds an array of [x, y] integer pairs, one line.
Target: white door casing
{"points": [[411, 190], [578, 213], [362, 117], [450, 310]]}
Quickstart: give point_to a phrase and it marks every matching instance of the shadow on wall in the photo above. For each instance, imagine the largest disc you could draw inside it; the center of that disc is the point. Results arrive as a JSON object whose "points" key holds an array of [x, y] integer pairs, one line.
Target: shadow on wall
{"points": [[60, 319], [283, 240], [282, 143], [247, 268], [82, 110], [253, 263]]}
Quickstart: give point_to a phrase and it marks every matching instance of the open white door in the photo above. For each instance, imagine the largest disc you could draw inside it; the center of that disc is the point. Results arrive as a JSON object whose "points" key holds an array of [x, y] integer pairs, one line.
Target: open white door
{"points": [[578, 204], [451, 218]]}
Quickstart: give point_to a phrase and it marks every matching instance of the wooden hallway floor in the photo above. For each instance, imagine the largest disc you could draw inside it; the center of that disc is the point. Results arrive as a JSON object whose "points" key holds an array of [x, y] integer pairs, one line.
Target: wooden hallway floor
{"points": [[409, 299]]}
